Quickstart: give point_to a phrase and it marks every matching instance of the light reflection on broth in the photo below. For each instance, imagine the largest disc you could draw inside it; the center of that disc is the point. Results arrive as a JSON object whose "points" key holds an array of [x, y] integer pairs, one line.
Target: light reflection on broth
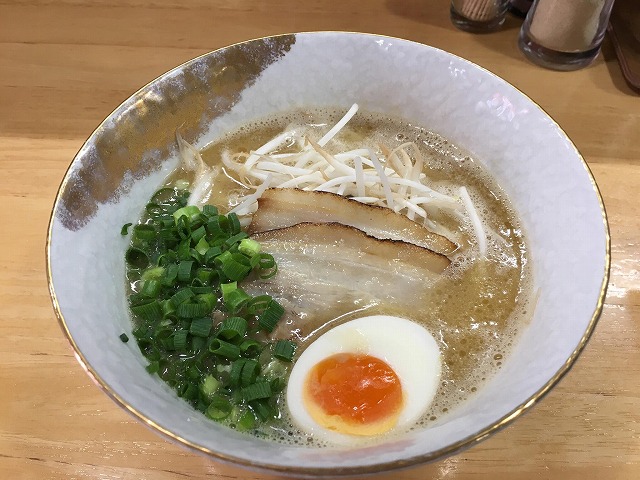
{"points": [[474, 310]]}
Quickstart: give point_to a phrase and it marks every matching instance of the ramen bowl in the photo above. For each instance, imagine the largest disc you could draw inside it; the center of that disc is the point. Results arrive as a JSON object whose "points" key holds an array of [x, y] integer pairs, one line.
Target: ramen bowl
{"points": [[130, 154]]}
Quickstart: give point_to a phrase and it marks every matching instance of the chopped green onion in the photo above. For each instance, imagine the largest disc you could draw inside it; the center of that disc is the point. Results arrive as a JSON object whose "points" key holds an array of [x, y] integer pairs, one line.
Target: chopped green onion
{"points": [[169, 235], [244, 372], [235, 267], [201, 290], [209, 211], [197, 342], [256, 391], [229, 242], [151, 288], [224, 349], [234, 223], [200, 327], [249, 247], [167, 258], [277, 384], [258, 304], [181, 261], [206, 275], [208, 299], [246, 421], [274, 369], [202, 247], [136, 258], [163, 331], [153, 367], [266, 262], [189, 391], [167, 343], [137, 299], [195, 256], [181, 296], [183, 229], [284, 350], [148, 311], [270, 317], [153, 273], [214, 225], [262, 410], [233, 296], [236, 300], [190, 212], [192, 310], [198, 235], [219, 408], [167, 308], [211, 254], [236, 371], [209, 386], [250, 371], [180, 340], [184, 271], [125, 229], [142, 332], [170, 275], [233, 327], [144, 232], [184, 250], [193, 372], [250, 348]]}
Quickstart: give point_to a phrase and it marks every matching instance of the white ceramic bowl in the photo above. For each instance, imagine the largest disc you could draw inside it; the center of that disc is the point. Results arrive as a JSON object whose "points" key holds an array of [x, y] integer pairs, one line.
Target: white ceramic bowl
{"points": [[130, 153]]}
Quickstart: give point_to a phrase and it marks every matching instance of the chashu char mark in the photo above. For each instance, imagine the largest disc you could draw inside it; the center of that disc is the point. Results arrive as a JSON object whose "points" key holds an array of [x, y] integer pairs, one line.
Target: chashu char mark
{"points": [[283, 207], [329, 270]]}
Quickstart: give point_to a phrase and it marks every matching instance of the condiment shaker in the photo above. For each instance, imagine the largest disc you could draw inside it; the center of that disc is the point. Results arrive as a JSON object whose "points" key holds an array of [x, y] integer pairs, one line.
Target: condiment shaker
{"points": [[564, 34], [478, 16]]}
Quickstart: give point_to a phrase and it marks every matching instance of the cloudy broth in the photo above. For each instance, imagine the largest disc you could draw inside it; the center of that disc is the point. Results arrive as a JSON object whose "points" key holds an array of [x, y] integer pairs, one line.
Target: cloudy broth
{"points": [[474, 310]]}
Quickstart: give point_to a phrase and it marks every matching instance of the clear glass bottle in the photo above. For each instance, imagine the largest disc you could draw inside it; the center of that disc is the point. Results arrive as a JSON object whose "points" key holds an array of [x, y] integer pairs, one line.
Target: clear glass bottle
{"points": [[478, 16], [564, 34]]}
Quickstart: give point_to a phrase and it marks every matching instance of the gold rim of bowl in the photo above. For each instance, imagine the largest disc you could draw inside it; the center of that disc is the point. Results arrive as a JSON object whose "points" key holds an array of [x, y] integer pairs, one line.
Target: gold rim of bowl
{"points": [[342, 471]]}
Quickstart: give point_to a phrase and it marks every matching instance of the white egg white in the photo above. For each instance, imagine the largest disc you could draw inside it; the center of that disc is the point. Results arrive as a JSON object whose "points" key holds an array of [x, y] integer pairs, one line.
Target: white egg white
{"points": [[408, 348]]}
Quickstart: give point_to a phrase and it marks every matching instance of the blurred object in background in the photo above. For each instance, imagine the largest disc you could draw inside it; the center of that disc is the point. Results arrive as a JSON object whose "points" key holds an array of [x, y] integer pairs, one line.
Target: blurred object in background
{"points": [[624, 30], [520, 7], [478, 16], [564, 34]]}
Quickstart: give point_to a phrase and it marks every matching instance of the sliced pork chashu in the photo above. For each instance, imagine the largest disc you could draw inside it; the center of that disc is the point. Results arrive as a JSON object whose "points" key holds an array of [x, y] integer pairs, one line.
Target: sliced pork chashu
{"points": [[283, 207], [329, 270]]}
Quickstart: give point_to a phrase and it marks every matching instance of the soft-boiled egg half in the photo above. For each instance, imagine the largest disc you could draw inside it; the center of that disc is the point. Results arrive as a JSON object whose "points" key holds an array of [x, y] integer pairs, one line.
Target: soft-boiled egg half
{"points": [[364, 378]]}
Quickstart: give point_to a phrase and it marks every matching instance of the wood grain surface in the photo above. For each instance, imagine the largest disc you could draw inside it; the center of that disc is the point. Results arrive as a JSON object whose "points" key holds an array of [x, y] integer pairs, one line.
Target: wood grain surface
{"points": [[64, 65]]}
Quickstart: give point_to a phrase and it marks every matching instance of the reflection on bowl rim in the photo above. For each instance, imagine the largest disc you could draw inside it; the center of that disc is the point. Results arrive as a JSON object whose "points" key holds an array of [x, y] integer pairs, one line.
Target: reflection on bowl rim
{"points": [[466, 442]]}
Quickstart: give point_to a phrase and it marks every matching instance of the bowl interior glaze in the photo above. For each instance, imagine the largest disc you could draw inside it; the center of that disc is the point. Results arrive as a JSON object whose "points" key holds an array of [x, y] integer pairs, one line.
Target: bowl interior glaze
{"points": [[132, 151]]}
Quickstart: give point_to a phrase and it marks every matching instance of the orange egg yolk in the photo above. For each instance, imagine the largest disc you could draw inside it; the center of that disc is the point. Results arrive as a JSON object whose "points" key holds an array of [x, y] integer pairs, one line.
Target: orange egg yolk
{"points": [[354, 394]]}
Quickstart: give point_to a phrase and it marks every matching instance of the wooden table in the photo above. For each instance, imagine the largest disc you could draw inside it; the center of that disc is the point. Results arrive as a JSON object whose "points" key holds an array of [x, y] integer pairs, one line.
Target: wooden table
{"points": [[65, 65]]}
